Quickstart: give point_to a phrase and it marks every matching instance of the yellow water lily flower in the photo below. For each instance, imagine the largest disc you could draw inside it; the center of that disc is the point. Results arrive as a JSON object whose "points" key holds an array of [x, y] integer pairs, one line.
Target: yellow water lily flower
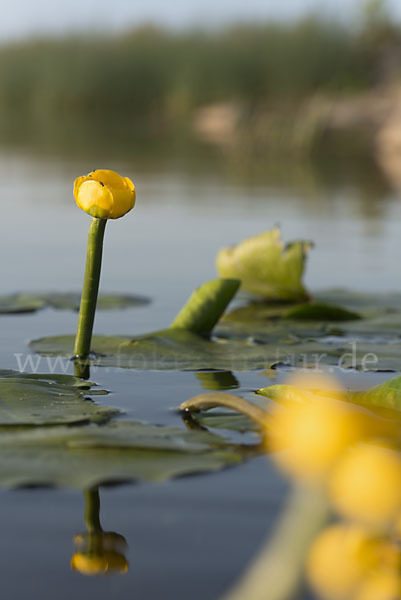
{"points": [[382, 585], [343, 556], [309, 436], [104, 194], [99, 564], [366, 485]]}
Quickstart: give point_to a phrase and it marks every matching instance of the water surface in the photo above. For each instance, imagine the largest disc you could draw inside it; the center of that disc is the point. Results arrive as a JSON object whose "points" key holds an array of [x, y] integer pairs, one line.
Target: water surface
{"points": [[189, 538]]}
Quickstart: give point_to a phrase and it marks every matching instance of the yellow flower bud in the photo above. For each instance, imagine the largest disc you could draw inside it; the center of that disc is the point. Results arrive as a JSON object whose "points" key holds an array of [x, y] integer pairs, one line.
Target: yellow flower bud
{"points": [[99, 564], [104, 194], [342, 556], [366, 485]]}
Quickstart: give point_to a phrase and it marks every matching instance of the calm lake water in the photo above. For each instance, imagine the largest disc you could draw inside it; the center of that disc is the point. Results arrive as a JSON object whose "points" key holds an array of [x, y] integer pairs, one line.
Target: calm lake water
{"points": [[189, 538]]}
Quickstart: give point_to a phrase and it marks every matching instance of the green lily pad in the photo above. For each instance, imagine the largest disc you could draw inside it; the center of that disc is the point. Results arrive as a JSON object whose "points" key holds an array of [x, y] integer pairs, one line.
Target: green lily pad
{"points": [[32, 400], [266, 267], [181, 350], [19, 304], [26, 302], [320, 312], [371, 342], [87, 456], [259, 336], [182, 346], [365, 302]]}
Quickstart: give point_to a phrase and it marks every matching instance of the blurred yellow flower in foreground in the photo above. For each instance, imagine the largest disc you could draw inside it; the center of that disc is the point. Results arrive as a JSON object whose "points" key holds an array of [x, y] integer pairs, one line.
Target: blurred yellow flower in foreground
{"points": [[104, 194], [382, 585], [308, 433], [343, 557], [99, 564], [366, 485]]}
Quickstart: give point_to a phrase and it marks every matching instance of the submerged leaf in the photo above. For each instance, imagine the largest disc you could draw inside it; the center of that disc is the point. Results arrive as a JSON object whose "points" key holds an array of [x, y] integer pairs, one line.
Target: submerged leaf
{"points": [[266, 267], [27, 400], [88, 456]]}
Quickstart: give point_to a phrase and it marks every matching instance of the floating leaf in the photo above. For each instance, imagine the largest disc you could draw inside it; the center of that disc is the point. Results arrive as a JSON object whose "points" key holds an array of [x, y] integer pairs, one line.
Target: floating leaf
{"points": [[320, 312], [19, 303], [365, 302], [27, 399], [178, 347], [90, 455], [266, 267], [181, 350], [32, 301], [71, 301], [258, 337], [369, 343]]}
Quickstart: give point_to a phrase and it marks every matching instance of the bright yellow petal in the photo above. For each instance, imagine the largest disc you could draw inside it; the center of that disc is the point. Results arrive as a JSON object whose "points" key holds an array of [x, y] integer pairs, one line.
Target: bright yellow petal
{"points": [[77, 184], [108, 177], [382, 585], [124, 201], [95, 199], [309, 437], [340, 558], [366, 485], [130, 184]]}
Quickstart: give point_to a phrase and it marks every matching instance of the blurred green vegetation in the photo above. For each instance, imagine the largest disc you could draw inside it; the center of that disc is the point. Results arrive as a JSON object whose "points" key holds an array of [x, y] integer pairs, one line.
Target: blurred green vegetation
{"points": [[151, 81]]}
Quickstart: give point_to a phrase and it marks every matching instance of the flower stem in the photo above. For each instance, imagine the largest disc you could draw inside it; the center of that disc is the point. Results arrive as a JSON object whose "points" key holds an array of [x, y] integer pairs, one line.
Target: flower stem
{"points": [[90, 288], [82, 369]]}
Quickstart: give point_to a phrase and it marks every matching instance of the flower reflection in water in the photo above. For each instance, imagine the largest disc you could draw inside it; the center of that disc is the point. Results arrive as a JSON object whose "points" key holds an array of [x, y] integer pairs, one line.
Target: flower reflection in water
{"points": [[98, 552]]}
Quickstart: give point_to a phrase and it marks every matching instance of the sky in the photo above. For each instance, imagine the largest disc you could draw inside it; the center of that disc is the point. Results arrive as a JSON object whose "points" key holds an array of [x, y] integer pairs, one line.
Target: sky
{"points": [[24, 18]]}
